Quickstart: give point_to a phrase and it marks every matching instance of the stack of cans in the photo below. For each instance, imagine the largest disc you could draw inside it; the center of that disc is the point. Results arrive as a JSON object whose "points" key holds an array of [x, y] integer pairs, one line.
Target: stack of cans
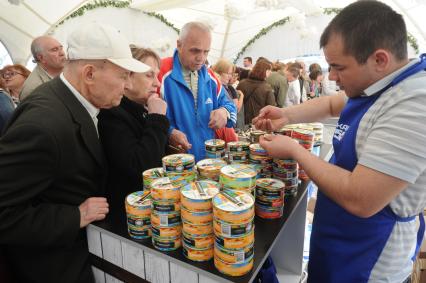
{"points": [[318, 129], [238, 152], [209, 169], [240, 177], [197, 218], [215, 148], [305, 139], [138, 211], [261, 161], [180, 168], [287, 171], [150, 175], [234, 232], [166, 223], [269, 198]]}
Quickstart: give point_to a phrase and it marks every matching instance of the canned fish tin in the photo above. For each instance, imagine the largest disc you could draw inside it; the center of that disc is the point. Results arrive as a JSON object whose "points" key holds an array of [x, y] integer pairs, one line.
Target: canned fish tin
{"points": [[210, 168], [255, 136], [215, 154], [267, 212], [238, 176], [178, 162], [233, 269], [235, 243], [197, 217], [166, 232], [165, 220], [161, 206], [196, 229], [230, 230], [286, 174], [238, 157], [139, 227], [194, 242], [198, 195], [214, 145], [303, 135], [233, 256], [139, 204], [140, 234], [165, 189], [233, 206], [197, 254], [270, 203], [150, 175], [238, 146], [166, 244], [257, 149]]}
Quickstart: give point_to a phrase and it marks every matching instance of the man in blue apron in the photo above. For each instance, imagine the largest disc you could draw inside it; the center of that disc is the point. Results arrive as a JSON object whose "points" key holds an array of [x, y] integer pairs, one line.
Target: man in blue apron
{"points": [[374, 187]]}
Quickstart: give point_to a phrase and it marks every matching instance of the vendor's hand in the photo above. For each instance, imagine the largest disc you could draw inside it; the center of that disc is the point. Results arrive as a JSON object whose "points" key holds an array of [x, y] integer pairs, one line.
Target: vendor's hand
{"points": [[218, 118], [93, 209], [156, 105], [279, 146], [270, 118], [179, 140]]}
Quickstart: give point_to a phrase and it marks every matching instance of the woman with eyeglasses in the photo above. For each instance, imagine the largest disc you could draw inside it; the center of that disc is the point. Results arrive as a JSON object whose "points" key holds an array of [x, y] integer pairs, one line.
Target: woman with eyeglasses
{"points": [[14, 77]]}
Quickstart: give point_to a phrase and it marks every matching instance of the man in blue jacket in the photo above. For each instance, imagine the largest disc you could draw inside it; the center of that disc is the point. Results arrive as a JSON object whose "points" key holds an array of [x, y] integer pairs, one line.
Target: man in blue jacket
{"points": [[197, 103]]}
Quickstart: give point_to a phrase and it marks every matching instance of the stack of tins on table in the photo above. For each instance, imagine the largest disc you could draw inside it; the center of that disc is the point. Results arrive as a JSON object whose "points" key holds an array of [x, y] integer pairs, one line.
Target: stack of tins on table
{"points": [[238, 152], [138, 212], [197, 219], [215, 148], [234, 232], [260, 160], [269, 198], [166, 221]]}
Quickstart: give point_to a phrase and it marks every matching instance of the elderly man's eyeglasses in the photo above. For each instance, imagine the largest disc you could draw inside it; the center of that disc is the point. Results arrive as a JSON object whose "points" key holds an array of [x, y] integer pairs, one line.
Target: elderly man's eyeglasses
{"points": [[6, 75]]}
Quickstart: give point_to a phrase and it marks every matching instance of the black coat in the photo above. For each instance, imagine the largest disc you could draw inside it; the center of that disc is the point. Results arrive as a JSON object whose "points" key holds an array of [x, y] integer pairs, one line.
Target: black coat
{"points": [[133, 141], [50, 162]]}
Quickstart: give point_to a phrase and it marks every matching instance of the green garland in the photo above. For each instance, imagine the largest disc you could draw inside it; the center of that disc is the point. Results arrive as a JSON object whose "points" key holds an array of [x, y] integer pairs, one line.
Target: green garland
{"points": [[413, 42], [261, 33], [96, 4], [115, 4], [162, 19], [327, 11]]}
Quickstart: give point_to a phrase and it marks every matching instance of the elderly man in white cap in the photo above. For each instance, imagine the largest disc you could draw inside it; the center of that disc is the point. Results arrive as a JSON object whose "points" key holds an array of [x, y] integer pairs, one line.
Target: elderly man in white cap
{"points": [[52, 168]]}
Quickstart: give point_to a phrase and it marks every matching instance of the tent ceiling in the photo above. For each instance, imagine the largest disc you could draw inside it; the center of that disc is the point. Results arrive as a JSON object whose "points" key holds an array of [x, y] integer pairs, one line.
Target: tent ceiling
{"points": [[234, 22]]}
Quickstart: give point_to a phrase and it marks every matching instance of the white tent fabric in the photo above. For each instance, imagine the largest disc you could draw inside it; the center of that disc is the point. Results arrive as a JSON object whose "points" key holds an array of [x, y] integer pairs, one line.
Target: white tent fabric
{"points": [[234, 23]]}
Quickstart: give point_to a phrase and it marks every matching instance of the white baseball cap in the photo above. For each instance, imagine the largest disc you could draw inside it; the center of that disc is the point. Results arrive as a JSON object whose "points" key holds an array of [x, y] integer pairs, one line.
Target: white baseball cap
{"points": [[96, 41]]}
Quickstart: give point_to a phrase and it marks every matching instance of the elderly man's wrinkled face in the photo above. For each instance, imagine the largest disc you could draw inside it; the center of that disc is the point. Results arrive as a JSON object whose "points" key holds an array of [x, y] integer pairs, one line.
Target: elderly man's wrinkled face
{"points": [[108, 84], [53, 55], [194, 48]]}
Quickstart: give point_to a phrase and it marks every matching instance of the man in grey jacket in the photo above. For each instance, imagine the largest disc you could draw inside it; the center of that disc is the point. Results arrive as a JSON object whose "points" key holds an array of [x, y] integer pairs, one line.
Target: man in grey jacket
{"points": [[50, 58]]}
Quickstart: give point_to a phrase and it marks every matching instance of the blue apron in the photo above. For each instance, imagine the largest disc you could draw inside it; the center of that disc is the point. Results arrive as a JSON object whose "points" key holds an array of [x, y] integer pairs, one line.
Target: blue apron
{"points": [[344, 247]]}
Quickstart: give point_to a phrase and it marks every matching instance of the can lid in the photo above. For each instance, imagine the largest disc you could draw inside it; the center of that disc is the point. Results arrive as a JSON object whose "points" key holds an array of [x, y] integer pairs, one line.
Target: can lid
{"points": [[139, 199], [153, 173], [164, 183], [270, 183], [211, 164], [230, 200], [238, 171], [215, 142], [178, 159], [200, 190]]}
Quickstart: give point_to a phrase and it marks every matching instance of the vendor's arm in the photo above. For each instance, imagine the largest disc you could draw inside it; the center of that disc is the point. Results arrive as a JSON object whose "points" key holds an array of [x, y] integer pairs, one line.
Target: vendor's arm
{"points": [[273, 118]]}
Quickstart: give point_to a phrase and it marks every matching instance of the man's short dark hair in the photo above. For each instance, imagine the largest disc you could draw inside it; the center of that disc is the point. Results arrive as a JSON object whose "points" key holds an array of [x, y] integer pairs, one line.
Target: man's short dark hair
{"points": [[249, 59], [366, 26]]}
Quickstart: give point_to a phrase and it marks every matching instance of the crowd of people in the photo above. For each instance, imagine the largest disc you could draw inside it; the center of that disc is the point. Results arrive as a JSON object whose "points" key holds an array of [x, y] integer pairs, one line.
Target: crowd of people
{"points": [[78, 131]]}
